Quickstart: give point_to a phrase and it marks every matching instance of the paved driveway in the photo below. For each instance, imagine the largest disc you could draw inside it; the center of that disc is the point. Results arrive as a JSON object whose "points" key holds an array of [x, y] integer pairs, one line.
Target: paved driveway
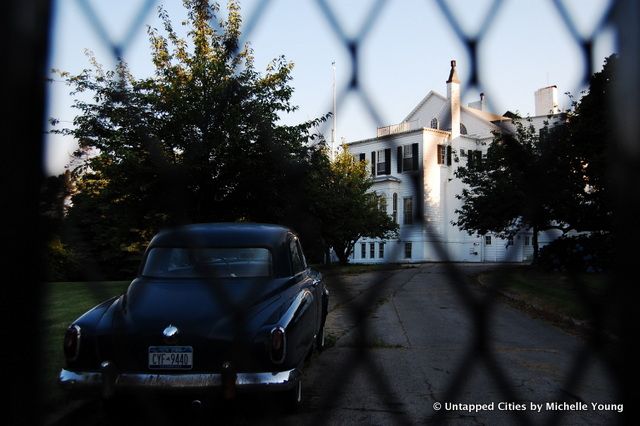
{"points": [[421, 340]]}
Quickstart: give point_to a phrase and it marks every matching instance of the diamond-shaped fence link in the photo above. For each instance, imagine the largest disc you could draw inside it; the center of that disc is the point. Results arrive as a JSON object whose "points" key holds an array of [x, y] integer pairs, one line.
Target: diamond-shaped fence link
{"points": [[479, 353]]}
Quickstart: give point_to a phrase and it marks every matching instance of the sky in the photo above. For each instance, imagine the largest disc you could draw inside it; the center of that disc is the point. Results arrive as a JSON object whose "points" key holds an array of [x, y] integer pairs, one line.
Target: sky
{"points": [[404, 52]]}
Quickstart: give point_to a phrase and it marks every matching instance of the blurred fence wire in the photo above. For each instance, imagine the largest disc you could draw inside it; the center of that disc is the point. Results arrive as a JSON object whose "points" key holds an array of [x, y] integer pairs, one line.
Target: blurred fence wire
{"points": [[28, 51]]}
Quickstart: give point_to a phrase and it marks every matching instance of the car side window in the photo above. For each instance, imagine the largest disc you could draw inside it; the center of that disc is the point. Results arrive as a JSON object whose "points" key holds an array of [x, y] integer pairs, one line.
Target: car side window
{"points": [[304, 259], [297, 259]]}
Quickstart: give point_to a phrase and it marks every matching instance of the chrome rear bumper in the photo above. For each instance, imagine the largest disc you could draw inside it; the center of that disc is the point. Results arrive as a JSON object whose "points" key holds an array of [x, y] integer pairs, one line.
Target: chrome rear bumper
{"points": [[96, 380]]}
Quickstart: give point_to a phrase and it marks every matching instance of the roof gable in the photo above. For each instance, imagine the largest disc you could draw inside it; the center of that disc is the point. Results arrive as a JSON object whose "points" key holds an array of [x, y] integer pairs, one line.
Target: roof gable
{"points": [[430, 98]]}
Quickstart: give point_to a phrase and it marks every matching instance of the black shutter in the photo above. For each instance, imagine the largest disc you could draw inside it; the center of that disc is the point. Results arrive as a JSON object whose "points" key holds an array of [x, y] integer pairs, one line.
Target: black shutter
{"points": [[373, 163], [414, 154], [363, 157], [448, 155], [387, 161], [399, 159]]}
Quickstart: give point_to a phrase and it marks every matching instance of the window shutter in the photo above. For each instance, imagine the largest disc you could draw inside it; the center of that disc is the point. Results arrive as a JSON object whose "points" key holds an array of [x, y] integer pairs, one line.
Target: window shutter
{"points": [[399, 158], [387, 161], [414, 153], [373, 163], [363, 157], [448, 155]]}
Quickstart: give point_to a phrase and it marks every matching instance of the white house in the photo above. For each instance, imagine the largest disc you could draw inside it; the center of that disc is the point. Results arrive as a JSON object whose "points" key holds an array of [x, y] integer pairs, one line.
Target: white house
{"points": [[413, 165]]}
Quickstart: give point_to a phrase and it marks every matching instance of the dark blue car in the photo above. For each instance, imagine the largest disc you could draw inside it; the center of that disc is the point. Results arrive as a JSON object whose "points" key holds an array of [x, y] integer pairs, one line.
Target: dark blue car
{"points": [[216, 307]]}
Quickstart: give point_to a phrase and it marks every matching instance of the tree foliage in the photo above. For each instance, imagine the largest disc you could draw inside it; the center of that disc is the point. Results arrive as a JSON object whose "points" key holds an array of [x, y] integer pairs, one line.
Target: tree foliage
{"points": [[555, 178], [198, 141], [515, 186], [590, 141], [345, 208]]}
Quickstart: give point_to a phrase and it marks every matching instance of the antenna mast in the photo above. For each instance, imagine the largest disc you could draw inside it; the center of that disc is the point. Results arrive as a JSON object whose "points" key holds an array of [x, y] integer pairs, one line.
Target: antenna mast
{"points": [[335, 119]]}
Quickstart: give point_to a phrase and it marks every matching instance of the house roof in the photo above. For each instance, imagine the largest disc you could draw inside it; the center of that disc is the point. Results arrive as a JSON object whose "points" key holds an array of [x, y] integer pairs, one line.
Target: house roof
{"points": [[487, 116], [423, 101]]}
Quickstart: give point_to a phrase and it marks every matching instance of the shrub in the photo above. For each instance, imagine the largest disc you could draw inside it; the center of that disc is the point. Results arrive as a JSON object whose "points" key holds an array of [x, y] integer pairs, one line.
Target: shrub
{"points": [[61, 263], [582, 253]]}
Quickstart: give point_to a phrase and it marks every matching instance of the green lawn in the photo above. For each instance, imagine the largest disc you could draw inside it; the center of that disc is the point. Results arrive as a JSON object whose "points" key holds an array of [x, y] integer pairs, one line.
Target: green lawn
{"points": [[556, 293], [63, 303]]}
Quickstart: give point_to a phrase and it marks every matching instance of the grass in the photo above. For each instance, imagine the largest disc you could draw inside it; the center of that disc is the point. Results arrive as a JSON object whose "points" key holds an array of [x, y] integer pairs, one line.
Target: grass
{"points": [[555, 293], [64, 302]]}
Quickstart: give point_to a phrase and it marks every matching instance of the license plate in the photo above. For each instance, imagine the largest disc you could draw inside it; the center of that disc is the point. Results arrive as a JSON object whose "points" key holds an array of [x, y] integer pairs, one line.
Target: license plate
{"points": [[171, 357]]}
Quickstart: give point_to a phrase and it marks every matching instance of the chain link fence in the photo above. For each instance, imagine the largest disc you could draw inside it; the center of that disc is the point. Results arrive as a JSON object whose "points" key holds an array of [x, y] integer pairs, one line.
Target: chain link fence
{"points": [[27, 59]]}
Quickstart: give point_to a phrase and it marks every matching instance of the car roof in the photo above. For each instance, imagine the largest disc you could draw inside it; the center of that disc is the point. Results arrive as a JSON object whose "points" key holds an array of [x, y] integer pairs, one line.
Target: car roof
{"points": [[222, 235]]}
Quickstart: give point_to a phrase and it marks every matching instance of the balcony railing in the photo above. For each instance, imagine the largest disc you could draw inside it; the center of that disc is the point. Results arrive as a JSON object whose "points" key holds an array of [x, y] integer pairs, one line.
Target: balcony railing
{"points": [[405, 126]]}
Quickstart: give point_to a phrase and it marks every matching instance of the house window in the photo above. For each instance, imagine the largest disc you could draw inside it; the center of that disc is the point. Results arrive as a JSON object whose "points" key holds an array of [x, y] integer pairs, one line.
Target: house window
{"points": [[381, 250], [407, 157], [407, 250], [441, 154], [395, 208], [474, 158], [383, 204], [487, 240], [510, 241], [463, 129], [444, 154], [408, 210], [381, 164], [527, 240], [434, 123], [363, 250], [372, 250]]}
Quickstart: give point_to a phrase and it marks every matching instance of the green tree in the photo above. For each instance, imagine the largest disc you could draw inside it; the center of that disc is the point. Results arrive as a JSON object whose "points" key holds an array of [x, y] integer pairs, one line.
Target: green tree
{"points": [[198, 141], [589, 138], [59, 260], [344, 207], [518, 185]]}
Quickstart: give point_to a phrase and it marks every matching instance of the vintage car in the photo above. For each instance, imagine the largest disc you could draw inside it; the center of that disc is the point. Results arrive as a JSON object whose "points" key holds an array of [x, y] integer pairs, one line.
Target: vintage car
{"points": [[215, 309]]}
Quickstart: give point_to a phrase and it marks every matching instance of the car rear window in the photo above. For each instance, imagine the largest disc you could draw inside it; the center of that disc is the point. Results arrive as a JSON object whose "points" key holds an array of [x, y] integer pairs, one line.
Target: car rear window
{"points": [[182, 262]]}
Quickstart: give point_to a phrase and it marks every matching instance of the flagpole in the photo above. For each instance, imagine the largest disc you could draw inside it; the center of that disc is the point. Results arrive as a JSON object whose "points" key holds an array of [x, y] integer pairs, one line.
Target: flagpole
{"points": [[335, 119]]}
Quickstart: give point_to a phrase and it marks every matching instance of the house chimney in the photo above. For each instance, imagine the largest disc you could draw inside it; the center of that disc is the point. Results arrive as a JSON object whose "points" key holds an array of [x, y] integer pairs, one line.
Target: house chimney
{"points": [[453, 95], [547, 100], [481, 105]]}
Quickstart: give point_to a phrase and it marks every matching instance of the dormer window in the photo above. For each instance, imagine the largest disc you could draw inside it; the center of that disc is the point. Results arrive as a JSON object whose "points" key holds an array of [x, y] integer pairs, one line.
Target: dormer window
{"points": [[463, 129], [434, 123]]}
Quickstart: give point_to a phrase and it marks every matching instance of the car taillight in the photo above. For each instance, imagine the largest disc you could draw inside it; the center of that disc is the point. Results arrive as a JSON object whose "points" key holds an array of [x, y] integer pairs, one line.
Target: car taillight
{"points": [[72, 342], [278, 345]]}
